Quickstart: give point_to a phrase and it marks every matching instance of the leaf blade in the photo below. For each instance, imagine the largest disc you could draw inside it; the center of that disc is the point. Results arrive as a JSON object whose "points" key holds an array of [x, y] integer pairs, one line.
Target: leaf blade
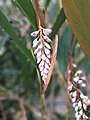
{"points": [[59, 21], [10, 30], [79, 18], [27, 9]]}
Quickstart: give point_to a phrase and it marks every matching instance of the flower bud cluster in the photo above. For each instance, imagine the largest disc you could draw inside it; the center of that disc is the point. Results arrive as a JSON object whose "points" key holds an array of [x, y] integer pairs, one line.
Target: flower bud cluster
{"points": [[79, 100], [79, 78], [42, 51]]}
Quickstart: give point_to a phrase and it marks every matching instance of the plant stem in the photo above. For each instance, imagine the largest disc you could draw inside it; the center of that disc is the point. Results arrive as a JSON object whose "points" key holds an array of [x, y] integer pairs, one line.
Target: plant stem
{"points": [[42, 98], [68, 73]]}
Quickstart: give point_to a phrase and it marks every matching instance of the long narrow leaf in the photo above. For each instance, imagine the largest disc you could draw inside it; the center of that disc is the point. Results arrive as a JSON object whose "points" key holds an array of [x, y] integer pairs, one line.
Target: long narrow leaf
{"points": [[27, 8], [78, 17], [59, 21], [10, 30]]}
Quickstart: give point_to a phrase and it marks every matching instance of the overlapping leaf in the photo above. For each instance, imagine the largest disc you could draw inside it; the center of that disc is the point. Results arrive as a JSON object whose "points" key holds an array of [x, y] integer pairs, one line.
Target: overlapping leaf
{"points": [[59, 21], [78, 16]]}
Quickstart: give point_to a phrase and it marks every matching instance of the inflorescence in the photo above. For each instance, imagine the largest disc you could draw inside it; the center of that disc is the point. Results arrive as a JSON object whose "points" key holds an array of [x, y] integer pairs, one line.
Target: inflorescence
{"points": [[42, 51], [79, 100]]}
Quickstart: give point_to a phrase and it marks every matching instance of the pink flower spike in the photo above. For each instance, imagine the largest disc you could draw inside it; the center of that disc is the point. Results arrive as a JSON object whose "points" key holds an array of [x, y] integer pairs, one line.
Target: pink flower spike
{"points": [[47, 31], [34, 34]]}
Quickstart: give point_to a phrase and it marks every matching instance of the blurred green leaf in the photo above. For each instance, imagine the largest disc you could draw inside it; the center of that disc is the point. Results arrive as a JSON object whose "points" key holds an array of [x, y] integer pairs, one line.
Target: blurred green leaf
{"points": [[47, 2], [59, 21], [27, 8], [9, 29], [78, 16]]}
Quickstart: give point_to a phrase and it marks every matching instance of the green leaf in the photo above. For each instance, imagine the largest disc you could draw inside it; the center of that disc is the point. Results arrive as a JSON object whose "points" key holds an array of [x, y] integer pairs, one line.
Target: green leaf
{"points": [[9, 29], [47, 2], [27, 8], [78, 16], [59, 21], [63, 49]]}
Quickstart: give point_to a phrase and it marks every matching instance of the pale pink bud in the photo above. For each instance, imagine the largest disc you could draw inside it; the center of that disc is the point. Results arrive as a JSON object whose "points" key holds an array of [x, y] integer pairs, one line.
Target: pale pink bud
{"points": [[80, 82], [34, 33], [43, 57], [76, 108], [74, 94], [40, 46], [44, 80], [83, 85], [71, 93], [41, 68], [47, 51], [47, 45], [69, 72], [46, 71], [46, 38], [81, 112], [79, 104], [42, 73], [39, 54], [41, 63], [47, 31], [82, 96], [49, 56], [47, 60], [74, 65], [45, 75], [75, 79], [38, 60], [46, 66], [78, 116], [85, 117], [83, 78], [84, 106], [74, 104], [78, 72], [36, 51], [70, 87], [73, 99]]}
